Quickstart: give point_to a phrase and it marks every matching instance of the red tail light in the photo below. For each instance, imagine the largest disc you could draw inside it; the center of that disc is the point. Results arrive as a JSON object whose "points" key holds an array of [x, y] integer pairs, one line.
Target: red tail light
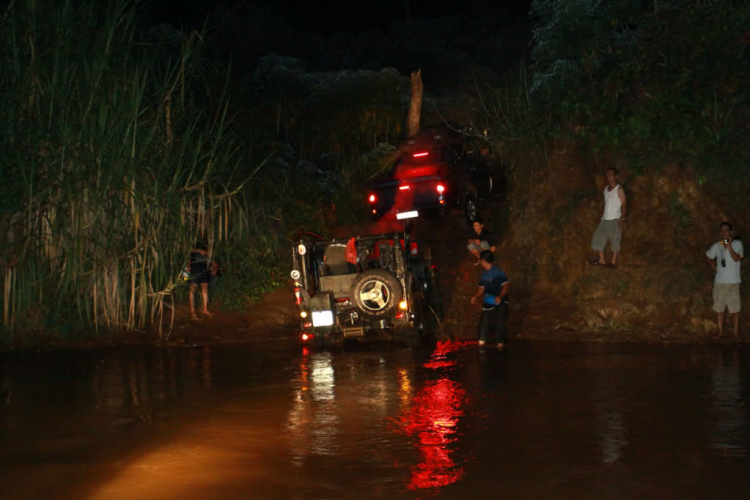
{"points": [[399, 315], [372, 198], [306, 336], [404, 187], [419, 155], [298, 296], [413, 248], [440, 189]]}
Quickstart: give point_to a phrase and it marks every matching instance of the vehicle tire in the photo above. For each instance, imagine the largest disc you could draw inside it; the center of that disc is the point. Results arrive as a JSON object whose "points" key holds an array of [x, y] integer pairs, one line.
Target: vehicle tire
{"points": [[470, 207], [418, 309], [376, 293], [434, 296]]}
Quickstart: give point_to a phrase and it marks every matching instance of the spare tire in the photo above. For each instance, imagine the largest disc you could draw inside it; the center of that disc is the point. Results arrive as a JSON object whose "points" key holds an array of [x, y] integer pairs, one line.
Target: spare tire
{"points": [[376, 293]]}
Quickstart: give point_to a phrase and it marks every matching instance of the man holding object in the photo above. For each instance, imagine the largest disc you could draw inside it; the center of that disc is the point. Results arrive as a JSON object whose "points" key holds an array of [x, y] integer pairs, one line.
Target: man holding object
{"points": [[610, 225], [493, 288], [724, 258]]}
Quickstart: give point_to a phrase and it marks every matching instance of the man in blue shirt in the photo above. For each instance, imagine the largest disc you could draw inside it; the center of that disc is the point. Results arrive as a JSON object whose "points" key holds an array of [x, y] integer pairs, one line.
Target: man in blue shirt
{"points": [[493, 289]]}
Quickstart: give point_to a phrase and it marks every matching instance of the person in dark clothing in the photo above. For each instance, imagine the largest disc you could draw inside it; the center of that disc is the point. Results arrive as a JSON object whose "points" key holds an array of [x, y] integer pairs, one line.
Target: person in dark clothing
{"points": [[480, 239], [215, 273], [198, 269], [493, 290]]}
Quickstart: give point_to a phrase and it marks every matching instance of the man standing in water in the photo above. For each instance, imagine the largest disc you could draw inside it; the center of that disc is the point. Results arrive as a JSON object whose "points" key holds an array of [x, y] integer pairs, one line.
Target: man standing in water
{"points": [[724, 257], [198, 269], [610, 226], [493, 287]]}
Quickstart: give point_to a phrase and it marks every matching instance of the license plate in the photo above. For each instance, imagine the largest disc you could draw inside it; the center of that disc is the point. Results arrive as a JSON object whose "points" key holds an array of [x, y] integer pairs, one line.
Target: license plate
{"points": [[407, 215], [322, 318]]}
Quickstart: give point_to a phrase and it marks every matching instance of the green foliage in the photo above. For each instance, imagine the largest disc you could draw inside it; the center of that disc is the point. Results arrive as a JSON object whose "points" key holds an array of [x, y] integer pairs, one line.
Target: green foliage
{"points": [[339, 112], [119, 146], [249, 272], [356, 178], [656, 82]]}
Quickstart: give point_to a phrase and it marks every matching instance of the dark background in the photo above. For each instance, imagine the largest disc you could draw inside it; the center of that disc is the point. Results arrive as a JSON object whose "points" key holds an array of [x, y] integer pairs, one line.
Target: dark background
{"points": [[452, 42], [334, 16]]}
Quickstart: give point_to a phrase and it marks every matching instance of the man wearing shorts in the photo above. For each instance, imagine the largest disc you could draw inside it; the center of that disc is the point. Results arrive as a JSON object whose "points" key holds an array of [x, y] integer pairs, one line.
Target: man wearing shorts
{"points": [[724, 257], [480, 239], [610, 226]]}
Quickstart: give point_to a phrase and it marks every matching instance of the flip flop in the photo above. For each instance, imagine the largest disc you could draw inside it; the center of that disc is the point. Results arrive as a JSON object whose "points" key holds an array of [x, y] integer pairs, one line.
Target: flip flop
{"points": [[610, 266], [596, 263]]}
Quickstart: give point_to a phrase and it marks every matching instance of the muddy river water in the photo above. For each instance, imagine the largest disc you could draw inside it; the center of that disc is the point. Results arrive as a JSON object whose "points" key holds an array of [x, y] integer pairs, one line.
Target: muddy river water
{"points": [[447, 420]]}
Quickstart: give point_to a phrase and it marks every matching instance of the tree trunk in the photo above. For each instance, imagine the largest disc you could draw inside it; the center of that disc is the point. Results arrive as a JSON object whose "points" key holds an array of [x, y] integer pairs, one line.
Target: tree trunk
{"points": [[415, 109]]}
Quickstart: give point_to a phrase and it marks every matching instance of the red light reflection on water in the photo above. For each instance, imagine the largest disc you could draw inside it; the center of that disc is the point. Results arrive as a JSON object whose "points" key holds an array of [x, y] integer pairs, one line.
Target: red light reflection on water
{"points": [[432, 418], [439, 358]]}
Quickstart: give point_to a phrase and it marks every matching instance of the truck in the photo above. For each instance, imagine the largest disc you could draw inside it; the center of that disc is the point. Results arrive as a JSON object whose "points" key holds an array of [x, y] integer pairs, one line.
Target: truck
{"points": [[439, 168], [365, 286]]}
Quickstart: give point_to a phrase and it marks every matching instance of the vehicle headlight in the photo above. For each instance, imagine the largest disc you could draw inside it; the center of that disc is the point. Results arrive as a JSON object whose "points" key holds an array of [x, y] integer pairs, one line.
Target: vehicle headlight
{"points": [[295, 274], [302, 249]]}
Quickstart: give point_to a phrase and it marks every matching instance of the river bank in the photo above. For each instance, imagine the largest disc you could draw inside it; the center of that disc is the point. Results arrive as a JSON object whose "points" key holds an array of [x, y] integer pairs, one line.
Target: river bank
{"points": [[257, 326], [593, 305]]}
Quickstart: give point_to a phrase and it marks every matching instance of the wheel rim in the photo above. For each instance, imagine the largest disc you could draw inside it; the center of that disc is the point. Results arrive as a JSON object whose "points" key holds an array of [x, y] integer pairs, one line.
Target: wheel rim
{"points": [[374, 295], [471, 209]]}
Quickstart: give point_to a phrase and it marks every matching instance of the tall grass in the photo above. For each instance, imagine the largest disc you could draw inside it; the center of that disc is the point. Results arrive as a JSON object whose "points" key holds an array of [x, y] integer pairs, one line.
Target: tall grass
{"points": [[116, 154]]}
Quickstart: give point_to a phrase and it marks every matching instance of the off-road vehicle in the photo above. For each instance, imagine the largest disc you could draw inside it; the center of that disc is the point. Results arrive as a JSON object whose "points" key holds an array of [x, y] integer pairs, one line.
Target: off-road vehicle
{"points": [[437, 169], [365, 285]]}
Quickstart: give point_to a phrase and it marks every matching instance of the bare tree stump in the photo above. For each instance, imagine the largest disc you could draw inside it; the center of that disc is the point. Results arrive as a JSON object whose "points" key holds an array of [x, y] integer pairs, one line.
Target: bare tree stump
{"points": [[415, 108]]}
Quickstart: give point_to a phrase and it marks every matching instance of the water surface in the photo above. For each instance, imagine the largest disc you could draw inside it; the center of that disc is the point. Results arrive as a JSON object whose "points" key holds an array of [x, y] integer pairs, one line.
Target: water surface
{"points": [[451, 420]]}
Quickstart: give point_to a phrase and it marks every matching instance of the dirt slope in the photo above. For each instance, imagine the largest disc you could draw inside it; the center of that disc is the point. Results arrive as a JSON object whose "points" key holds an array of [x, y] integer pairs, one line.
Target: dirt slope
{"points": [[662, 286]]}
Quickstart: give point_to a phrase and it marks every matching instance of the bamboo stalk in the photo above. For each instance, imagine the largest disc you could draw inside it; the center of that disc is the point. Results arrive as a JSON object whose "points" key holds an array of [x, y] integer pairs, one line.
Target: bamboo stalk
{"points": [[103, 203]]}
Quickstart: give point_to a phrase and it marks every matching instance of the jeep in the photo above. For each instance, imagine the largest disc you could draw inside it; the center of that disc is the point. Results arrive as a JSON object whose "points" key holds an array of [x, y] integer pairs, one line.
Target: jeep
{"points": [[365, 285]]}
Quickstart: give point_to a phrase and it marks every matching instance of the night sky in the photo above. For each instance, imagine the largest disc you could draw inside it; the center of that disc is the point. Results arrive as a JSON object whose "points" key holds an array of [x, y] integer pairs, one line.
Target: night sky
{"points": [[334, 15]]}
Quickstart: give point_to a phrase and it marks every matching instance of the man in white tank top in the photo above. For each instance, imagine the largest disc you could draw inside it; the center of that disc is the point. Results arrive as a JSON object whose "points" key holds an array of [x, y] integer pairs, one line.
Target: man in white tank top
{"points": [[610, 226]]}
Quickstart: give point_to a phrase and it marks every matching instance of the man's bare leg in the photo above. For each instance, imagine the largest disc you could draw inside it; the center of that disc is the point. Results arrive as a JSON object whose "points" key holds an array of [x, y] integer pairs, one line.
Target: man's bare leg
{"points": [[602, 260], [475, 253], [721, 325], [191, 300], [614, 258], [736, 318], [204, 296]]}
